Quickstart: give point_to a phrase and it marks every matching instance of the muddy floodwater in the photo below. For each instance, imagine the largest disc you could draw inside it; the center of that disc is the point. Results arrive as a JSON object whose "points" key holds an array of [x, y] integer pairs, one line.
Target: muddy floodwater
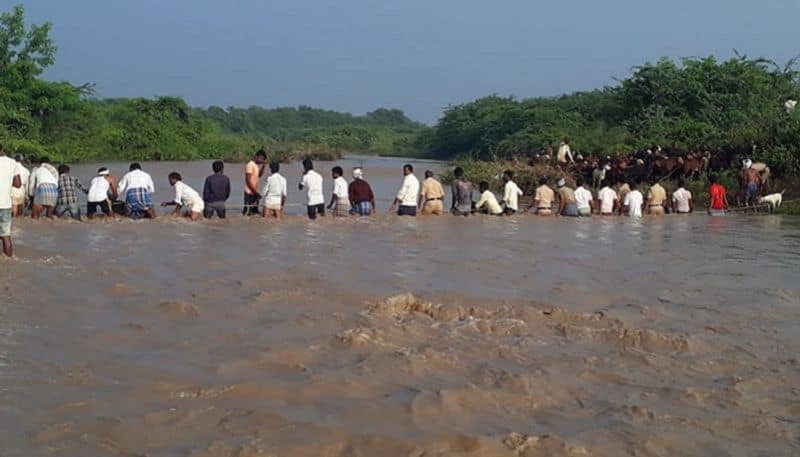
{"points": [[384, 336]]}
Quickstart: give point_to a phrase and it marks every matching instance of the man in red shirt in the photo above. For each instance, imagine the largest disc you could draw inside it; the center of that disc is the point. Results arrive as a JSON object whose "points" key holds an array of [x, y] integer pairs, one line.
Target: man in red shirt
{"points": [[362, 199], [719, 197]]}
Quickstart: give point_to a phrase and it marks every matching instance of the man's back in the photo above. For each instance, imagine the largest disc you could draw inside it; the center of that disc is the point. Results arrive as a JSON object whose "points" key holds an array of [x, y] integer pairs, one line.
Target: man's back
{"points": [[606, 196], [217, 188], [8, 169], [360, 191]]}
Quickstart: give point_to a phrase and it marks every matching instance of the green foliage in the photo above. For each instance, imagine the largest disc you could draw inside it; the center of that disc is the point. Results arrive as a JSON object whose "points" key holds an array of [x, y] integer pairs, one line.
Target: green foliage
{"points": [[695, 103], [39, 117]]}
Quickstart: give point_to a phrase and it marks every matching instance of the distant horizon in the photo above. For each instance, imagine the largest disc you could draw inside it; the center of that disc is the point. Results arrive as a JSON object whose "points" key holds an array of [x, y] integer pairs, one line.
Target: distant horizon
{"points": [[357, 56]]}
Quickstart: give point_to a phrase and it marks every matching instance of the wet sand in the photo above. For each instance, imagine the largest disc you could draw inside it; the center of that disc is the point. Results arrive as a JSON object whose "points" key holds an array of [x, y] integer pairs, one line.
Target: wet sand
{"points": [[524, 336]]}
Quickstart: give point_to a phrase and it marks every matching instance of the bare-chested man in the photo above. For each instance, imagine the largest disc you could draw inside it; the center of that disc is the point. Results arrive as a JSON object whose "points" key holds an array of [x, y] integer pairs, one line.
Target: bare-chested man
{"points": [[751, 181]]}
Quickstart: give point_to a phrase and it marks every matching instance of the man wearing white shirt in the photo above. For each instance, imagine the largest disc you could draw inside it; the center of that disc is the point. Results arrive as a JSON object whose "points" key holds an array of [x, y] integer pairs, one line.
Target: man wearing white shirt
{"points": [[511, 193], [608, 200], [564, 152], [99, 191], [19, 195], [185, 197], [488, 202], [340, 200], [682, 199], [137, 188], [9, 179], [634, 201], [407, 196], [584, 199], [312, 183], [43, 185], [274, 193]]}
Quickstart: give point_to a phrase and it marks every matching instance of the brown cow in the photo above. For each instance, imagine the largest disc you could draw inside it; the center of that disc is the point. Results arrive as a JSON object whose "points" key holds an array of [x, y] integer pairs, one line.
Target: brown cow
{"points": [[694, 165]]}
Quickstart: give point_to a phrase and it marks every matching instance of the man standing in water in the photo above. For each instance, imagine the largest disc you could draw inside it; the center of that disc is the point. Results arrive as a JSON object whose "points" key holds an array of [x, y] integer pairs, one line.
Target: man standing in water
{"points": [[407, 196], [43, 186], [608, 200], [68, 187], [462, 194], [101, 191], [19, 195], [137, 188], [511, 194], [567, 203], [312, 183], [362, 199], [9, 179], [431, 196], [253, 171], [274, 193], [216, 191], [656, 199], [583, 198], [751, 180], [543, 199], [682, 199], [340, 200], [718, 203], [634, 200]]}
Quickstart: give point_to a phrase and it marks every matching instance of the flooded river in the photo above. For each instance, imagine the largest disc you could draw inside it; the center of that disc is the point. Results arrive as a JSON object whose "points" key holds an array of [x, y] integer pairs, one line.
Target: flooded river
{"points": [[524, 336]]}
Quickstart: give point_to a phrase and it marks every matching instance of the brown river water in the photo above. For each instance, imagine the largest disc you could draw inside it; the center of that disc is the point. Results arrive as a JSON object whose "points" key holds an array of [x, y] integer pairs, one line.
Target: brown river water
{"points": [[524, 336]]}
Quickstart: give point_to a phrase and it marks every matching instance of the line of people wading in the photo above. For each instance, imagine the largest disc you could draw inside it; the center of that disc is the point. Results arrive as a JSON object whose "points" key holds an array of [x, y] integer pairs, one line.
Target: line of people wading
{"points": [[53, 192]]}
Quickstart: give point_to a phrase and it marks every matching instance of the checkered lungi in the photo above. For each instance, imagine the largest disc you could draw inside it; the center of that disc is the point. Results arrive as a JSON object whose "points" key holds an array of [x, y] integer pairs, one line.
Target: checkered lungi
{"points": [[362, 209], [138, 200], [341, 208], [46, 195]]}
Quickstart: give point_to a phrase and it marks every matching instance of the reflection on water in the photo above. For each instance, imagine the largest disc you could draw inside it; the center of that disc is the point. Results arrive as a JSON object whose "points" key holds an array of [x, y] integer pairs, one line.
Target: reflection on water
{"points": [[665, 336]]}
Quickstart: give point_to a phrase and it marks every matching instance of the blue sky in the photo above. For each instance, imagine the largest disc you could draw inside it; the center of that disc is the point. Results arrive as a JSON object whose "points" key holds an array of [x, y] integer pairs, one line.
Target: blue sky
{"points": [[420, 56]]}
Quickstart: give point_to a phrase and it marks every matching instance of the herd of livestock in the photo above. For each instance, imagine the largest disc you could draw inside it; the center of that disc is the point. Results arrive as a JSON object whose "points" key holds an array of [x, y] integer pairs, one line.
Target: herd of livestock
{"points": [[657, 163]]}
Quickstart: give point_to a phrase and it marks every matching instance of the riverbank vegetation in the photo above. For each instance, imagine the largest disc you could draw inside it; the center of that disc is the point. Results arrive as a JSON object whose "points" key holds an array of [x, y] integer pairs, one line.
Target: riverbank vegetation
{"points": [[697, 103], [65, 122]]}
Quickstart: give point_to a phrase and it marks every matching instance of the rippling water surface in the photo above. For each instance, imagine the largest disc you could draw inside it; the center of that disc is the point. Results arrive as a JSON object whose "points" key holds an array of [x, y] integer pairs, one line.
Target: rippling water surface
{"points": [[524, 336]]}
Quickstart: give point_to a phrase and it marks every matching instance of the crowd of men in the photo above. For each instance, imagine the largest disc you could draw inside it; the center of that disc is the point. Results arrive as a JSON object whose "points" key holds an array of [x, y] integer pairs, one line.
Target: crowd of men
{"points": [[53, 192]]}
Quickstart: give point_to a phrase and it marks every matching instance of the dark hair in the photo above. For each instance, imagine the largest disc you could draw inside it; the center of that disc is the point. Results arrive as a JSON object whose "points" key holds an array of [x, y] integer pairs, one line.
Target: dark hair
{"points": [[579, 182], [713, 178], [509, 174], [338, 170], [101, 169], [308, 164], [274, 167], [458, 172], [217, 166], [483, 186], [17, 157], [409, 167], [135, 166], [428, 174], [175, 175], [261, 153], [681, 182], [44, 159], [543, 180], [63, 169]]}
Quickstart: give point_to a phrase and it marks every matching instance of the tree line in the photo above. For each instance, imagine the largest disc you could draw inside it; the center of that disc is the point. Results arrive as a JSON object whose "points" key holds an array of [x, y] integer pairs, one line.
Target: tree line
{"points": [[693, 104], [68, 124]]}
